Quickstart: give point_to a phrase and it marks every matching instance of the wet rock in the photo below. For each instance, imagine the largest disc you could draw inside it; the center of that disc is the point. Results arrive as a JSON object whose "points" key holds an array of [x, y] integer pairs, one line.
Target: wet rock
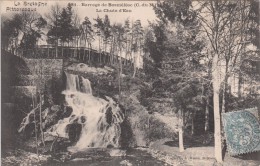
{"points": [[110, 146], [75, 120], [62, 156], [51, 116], [56, 108], [92, 144], [74, 131], [83, 119], [117, 152], [126, 163], [72, 118], [60, 145], [109, 115], [102, 127], [48, 137], [45, 113], [67, 111]]}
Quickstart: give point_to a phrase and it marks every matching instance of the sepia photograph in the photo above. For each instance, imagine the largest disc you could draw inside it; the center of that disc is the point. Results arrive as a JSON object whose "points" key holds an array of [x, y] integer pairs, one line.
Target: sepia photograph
{"points": [[130, 83]]}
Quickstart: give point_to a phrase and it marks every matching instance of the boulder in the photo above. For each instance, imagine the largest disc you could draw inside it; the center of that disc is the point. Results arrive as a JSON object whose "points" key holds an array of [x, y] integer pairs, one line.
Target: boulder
{"points": [[56, 108], [74, 131], [117, 152], [67, 111]]}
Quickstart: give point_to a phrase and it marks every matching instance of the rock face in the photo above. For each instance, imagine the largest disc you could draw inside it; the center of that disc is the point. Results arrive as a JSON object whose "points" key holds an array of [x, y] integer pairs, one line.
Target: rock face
{"points": [[74, 131], [140, 128], [50, 116]]}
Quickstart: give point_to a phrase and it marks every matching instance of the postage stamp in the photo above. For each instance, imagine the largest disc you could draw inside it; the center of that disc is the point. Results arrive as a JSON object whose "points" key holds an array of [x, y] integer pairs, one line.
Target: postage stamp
{"points": [[242, 131]]}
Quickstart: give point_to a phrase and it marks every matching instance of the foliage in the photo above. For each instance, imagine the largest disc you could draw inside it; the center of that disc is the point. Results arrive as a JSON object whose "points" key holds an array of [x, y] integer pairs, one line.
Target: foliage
{"points": [[27, 24], [154, 42], [178, 10], [87, 31], [254, 17], [107, 30], [175, 49], [158, 131], [63, 27], [10, 30]]}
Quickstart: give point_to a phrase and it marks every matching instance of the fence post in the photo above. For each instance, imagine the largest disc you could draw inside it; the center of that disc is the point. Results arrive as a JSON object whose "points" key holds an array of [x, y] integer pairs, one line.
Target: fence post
{"points": [[48, 51]]}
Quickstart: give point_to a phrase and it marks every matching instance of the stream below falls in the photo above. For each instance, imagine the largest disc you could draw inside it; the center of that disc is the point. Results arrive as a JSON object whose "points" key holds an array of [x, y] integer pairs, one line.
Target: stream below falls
{"points": [[100, 157]]}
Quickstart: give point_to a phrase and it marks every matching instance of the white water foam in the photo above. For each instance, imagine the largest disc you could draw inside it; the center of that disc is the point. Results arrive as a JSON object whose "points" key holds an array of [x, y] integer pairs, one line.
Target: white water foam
{"points": [[100, 118]]}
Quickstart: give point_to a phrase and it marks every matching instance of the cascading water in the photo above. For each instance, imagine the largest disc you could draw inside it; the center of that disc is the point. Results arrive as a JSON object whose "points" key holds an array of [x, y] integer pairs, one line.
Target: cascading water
{"points": [[100, 118]]}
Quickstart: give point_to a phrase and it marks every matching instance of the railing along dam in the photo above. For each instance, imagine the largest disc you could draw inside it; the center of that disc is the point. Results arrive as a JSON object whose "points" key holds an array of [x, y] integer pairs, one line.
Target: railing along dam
{"points": [[81, 54]]}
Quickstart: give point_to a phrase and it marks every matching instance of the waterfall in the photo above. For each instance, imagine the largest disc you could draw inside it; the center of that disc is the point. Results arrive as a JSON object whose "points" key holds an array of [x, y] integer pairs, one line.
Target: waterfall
{"points": [[99, 118], [73, 84]]}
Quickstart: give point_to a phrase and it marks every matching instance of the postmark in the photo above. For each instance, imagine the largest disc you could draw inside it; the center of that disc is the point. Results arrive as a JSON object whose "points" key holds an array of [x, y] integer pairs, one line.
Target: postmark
{"points": [[242, 131]]}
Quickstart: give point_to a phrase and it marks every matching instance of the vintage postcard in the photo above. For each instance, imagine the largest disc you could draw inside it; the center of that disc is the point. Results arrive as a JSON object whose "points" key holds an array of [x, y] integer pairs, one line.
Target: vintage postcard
{"points": [[148, 83]]}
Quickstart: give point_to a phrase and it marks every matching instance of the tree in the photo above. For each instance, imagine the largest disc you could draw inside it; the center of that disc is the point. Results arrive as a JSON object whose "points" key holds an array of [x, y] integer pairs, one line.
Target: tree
{"points": [[113, 43], [99, 25], [175, 48], [63, 28], [254, 17], [75, 31], [120, 43], [225, 31], [137, 42], [87, 31], [153, 47], [107, 32], [32, 30], [52, 17], [129, 40], [154, 42], [10, 31], [179, 47], [225, 28], [248, 70], [27, 25], [66, 28]]}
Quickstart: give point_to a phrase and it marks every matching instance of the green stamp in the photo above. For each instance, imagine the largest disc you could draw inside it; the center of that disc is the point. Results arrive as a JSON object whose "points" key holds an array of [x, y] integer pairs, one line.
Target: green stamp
{"points": [[242, 131]]}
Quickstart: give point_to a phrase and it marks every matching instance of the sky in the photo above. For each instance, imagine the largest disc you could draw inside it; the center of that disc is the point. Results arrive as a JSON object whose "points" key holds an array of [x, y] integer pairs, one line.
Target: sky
{"points": [[136, 9]]}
